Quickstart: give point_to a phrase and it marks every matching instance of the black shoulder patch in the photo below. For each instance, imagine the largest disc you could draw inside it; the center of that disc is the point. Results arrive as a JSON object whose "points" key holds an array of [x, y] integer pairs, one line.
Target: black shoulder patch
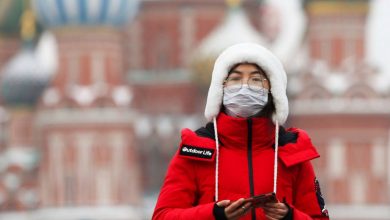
{"points": [[286, 137], [206, 131], [197, 152]]}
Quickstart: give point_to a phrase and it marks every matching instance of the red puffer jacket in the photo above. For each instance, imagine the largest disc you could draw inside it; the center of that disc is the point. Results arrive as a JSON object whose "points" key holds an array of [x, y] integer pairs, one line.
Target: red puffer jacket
{"points": [[246, 165]]}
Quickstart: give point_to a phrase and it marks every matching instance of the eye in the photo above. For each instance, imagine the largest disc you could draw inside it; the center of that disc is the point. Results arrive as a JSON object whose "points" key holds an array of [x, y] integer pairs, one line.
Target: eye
{"points": [[234, 79], [257, 79]]}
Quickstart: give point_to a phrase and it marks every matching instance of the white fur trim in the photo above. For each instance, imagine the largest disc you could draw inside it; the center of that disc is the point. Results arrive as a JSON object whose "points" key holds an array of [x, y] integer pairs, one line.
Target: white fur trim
{"points": [[248, 53]]}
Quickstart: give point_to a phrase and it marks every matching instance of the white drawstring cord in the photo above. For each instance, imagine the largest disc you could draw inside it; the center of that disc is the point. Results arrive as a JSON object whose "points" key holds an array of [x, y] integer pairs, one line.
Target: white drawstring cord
{"points": [[276, 155], [216, 158]]}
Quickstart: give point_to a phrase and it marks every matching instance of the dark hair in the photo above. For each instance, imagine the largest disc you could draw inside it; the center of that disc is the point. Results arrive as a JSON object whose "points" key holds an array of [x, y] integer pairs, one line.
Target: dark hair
{"points": [[236, 65], [268, 109]]}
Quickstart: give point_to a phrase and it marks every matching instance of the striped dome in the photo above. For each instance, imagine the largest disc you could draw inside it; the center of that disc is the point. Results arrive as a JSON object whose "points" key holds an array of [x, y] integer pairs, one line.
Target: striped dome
{"points": [[55, 13]]}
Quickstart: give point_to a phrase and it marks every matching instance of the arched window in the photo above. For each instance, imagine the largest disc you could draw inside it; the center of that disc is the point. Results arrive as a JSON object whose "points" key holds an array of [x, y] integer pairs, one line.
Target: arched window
{"points": [[314, 91], [360, 91]]}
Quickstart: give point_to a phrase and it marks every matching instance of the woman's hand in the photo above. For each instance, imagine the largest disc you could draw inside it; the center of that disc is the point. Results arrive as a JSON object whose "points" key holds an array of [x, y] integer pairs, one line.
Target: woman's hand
{"points": [[275, 211], [235, 210]]}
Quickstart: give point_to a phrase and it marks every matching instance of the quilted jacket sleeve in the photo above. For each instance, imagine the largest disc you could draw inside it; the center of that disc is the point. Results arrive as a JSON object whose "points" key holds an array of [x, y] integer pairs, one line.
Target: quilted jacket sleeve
{"points": [[308, 201], [178, 194]]}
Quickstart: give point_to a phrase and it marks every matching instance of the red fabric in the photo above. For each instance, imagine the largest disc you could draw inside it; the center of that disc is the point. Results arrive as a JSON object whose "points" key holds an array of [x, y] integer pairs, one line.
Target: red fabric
{"points": [[189, 188], [301, 151]]}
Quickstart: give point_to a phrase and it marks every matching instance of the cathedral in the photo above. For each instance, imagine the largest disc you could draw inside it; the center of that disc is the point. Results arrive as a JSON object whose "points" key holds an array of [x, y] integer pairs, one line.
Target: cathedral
{"points": [[93, 95]]}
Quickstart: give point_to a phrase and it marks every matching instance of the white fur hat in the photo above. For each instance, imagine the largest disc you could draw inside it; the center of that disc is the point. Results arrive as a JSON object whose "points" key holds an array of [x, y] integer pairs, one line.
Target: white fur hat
{"points": [[248, 53]]}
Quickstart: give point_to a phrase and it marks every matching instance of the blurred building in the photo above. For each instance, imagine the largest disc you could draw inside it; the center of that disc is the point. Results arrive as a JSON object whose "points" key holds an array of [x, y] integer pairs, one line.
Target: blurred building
{"points": [[19, 156], [92, 137], [334, 92], [338, 99], [168, 74], [70, 151]]}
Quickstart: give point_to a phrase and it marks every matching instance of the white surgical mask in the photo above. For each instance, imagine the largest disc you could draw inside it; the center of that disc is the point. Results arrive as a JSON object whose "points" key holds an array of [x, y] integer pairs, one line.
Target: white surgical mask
{"points": [[245, 102]]}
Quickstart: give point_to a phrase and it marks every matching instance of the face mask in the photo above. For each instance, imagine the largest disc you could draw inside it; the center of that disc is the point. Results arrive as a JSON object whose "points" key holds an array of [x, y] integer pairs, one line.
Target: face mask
{"points": [[245, 102]]}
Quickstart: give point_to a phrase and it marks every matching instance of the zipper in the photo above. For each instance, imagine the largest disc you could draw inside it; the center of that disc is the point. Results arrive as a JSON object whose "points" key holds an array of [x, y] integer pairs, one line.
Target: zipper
{"points": [[250, 164]]}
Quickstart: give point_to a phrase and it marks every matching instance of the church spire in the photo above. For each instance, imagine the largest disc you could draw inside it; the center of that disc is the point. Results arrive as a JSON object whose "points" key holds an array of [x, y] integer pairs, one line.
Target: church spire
{"points": [[27, 22], [233, 3]]}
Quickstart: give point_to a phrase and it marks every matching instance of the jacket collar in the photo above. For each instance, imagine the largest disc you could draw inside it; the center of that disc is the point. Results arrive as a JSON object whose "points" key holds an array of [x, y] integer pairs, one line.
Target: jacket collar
{"points": [[233, 132]]}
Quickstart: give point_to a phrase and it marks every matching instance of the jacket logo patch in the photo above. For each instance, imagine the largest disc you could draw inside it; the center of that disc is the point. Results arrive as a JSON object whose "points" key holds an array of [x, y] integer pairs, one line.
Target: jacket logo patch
{"points": [[191, 151], [320, 199]]}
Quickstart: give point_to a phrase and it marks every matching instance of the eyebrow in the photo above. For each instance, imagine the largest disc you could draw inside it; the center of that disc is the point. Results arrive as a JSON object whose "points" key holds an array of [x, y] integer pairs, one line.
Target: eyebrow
{"points": [[253, 72]]}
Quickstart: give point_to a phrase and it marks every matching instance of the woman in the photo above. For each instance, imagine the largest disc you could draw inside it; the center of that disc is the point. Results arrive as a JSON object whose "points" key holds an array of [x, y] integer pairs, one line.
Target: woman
{"points": [[235, 156]]}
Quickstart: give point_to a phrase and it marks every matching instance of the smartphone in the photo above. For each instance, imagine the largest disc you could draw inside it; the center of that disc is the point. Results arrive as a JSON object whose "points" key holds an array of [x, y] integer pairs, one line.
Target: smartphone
{"points": [[261, 200]]}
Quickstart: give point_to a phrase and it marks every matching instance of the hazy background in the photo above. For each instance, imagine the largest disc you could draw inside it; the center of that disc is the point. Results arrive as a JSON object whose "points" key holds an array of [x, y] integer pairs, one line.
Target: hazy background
{"points": [[94, 93]]}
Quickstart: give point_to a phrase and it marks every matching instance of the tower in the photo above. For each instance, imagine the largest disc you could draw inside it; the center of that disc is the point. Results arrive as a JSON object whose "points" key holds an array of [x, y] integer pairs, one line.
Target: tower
{"points": [[89, 164], [163, 39], [235, 28], [337, 100], [22, 81]]}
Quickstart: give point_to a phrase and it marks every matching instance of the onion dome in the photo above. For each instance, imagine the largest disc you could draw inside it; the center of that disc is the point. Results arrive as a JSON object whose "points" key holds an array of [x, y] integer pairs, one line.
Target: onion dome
{"points": [[10, 12], [23, 80], [236, 28], [27, 74], [57, 13]]}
